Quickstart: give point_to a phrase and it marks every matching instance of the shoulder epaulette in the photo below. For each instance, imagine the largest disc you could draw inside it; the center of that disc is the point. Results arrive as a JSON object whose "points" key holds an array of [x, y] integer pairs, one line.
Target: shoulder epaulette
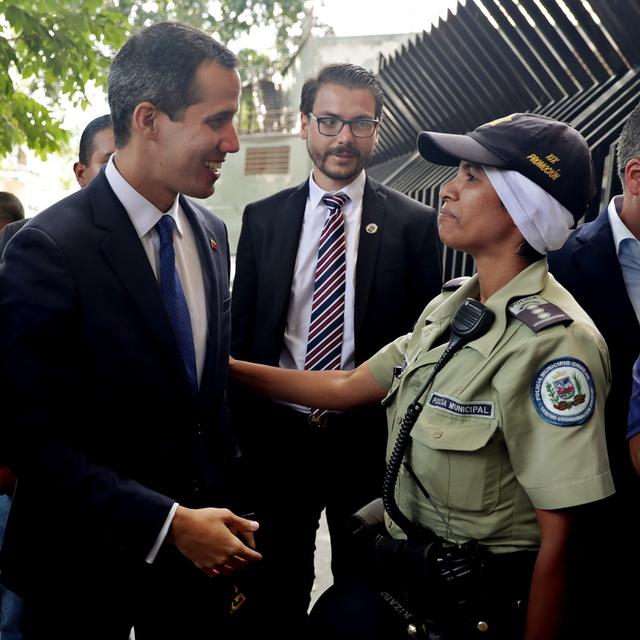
{"points": [[456, 283], [537, 313]]}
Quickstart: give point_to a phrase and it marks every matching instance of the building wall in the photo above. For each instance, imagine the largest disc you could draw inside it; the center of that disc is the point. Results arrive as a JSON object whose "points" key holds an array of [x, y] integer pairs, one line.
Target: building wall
{"points": [[234, 189], [318, 52]]}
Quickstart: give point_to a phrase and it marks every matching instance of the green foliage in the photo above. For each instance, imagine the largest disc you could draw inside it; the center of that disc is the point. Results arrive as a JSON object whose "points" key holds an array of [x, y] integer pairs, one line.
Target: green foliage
{"points": [[49, 49], [52, 48], [226, 20]]}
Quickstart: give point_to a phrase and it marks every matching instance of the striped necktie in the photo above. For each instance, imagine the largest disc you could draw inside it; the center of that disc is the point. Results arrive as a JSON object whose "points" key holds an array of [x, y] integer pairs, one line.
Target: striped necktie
{"points": [[326, 328]]}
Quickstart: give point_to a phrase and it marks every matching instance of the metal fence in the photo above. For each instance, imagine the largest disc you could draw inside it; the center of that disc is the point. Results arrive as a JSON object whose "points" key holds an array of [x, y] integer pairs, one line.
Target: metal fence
{"points": [[574, 60]]}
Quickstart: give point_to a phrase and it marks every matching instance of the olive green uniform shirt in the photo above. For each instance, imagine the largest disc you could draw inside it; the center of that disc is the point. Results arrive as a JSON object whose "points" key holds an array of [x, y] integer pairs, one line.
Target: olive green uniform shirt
{"points": [[513, 423]]}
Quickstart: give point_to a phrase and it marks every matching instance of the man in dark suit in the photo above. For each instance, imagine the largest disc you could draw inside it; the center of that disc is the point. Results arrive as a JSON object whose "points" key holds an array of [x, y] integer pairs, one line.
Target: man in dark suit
{"points": [[600, 265], [305, 461], [114, 328]]}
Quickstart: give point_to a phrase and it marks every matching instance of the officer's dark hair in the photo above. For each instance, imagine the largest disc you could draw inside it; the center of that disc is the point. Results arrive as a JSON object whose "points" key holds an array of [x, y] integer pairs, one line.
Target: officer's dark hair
{"points": [[346, 75], [159, 65], [88, 137], [10, 208], [629, 142]]}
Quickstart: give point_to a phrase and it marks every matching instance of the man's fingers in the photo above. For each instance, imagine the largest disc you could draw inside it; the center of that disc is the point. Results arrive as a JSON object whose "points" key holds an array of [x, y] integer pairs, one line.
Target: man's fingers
{"points": [[250, 554], [248, 538], [238, 524]]}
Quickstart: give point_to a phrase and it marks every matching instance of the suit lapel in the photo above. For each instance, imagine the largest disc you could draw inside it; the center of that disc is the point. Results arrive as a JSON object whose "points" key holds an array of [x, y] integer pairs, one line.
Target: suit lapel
{"points": [[212, 273], [125, 254], [288, 221], [596, 248], [373, 212]]}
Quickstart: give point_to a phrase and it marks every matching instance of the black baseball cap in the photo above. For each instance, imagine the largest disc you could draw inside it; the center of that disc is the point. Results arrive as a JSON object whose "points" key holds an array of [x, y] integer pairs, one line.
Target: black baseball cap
{"points": [[550, 153]]}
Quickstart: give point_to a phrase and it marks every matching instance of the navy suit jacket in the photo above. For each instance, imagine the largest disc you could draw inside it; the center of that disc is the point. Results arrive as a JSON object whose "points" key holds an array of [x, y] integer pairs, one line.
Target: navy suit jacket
{"points": [[101, 428], [587, 265], [398, 270]]}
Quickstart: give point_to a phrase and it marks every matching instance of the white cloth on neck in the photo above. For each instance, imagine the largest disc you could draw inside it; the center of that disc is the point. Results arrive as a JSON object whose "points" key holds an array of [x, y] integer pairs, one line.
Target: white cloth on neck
{"points": [[540, 218]]}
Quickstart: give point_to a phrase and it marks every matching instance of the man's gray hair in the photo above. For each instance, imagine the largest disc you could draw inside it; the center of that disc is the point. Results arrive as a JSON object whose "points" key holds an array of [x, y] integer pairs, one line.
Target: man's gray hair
{"points": [[629, 142]]}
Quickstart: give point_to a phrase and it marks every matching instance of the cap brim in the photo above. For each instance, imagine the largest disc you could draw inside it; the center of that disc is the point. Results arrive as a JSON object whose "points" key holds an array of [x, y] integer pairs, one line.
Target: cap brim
{"points": [[450, 148]]}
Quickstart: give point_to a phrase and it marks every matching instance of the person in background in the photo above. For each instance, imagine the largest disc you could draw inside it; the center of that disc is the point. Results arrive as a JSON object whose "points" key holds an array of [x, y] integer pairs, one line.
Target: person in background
{"points": [[96, 147], [114, 342], [600, 266], [11, 209], [327, 272], [485, 470]]}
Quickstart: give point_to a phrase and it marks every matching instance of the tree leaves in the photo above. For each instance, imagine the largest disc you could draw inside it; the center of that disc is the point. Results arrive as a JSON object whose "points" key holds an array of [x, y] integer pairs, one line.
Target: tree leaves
{"points": [[53, 48], [49, 49]]}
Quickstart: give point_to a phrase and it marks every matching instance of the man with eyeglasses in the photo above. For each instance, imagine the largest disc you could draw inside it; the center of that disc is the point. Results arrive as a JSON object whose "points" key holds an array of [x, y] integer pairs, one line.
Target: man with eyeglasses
{"points": [[370, 284]]}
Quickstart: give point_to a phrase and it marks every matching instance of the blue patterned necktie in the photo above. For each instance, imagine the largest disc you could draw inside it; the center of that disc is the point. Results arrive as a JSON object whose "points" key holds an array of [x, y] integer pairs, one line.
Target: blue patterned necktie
{"points": [[326, 327], [175, 301]]}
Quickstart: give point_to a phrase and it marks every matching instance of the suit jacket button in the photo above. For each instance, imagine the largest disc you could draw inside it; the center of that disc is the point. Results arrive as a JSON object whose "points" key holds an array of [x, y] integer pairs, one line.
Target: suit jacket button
{"points": [[196, 486], [199, 431]]}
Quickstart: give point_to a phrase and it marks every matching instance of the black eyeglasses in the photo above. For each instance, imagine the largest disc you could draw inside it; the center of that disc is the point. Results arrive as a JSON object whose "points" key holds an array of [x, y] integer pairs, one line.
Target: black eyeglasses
{"points": [[332, 126]]}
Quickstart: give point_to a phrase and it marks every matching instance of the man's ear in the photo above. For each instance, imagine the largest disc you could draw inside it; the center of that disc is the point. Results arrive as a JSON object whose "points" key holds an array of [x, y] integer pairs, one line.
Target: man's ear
{"points": [[632, 177], [79, 169], [145, 120], [304, 126]]}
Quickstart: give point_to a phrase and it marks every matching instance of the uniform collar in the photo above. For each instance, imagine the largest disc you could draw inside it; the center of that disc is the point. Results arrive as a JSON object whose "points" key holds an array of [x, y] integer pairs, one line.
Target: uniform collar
{"points": [[528, 282]]}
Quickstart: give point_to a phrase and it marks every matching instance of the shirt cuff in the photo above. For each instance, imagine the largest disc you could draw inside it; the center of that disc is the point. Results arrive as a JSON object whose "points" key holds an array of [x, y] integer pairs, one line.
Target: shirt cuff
{"points": [[162, 535]]}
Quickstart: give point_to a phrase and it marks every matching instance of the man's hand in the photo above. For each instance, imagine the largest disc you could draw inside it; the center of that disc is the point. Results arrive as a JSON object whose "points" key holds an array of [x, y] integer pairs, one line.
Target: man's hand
{"points": [[7, 480], [212, 539]]}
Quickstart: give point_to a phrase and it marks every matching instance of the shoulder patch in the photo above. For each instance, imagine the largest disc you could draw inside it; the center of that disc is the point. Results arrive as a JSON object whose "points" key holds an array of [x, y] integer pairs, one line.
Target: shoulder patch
{"points": [[563, 392], [456, 283], [537, 313]]}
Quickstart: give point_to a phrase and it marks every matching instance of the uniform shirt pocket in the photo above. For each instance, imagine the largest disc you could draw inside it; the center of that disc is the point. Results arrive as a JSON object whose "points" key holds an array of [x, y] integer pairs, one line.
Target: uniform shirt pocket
{"points": [[459, 461]]}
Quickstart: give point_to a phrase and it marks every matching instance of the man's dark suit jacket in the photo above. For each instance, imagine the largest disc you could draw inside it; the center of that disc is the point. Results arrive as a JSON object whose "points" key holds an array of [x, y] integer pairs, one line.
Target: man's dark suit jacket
{"points": [[9, 231], [398, 270], [607, 532], [588, 267], [101, 428]]}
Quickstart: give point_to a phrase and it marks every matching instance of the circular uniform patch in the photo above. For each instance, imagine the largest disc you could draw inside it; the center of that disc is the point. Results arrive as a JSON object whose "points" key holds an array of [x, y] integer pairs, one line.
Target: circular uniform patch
{"points": [[563, 392]]}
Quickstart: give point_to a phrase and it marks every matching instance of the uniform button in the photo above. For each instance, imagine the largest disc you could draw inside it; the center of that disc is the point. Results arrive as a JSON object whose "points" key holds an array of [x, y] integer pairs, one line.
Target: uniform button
{"points": [[199, 430], [195, 485], [437, 435]]}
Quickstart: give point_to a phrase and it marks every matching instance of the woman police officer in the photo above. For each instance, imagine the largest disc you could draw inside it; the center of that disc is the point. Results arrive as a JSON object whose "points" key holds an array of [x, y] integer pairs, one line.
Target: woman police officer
{"points": [[510, 435]]}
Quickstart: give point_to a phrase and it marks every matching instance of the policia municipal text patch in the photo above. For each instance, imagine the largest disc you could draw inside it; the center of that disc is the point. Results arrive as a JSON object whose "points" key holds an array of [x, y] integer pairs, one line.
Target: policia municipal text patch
{"points": [[563, 392], [461, 408]]}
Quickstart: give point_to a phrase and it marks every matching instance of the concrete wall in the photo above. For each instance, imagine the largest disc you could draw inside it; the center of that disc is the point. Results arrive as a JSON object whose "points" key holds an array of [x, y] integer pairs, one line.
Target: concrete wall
{"points": [[234, 190], [318, 52]]}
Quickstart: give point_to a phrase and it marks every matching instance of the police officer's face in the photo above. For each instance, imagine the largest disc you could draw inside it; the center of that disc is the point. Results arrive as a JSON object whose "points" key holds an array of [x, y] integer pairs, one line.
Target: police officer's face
{"points": [[472, 217], [339, 159]]}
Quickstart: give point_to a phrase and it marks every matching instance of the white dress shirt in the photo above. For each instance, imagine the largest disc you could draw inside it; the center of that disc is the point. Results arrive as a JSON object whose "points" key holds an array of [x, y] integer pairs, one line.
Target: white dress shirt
{"points": [[296, 333], [144, 217], [628, 251]]}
